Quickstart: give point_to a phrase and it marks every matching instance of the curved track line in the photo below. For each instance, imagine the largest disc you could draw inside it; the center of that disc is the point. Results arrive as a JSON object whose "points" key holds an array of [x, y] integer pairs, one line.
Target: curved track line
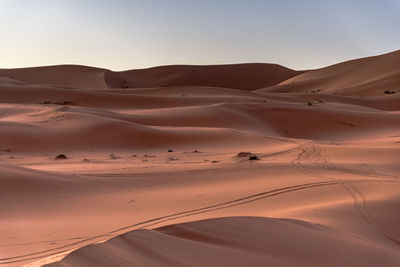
{"points": [[361, 207], [158, 220], [318, 155]]}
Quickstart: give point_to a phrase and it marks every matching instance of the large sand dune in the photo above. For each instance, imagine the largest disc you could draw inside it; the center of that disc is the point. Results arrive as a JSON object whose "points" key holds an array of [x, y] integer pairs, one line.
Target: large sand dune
{"points": [[366, 76], [152, 174], [237, 76], [235, 241]]}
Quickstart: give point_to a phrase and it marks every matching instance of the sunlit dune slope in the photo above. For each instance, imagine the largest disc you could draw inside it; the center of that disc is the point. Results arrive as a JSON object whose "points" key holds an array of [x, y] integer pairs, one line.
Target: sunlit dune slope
{"points": [[365, 76]]}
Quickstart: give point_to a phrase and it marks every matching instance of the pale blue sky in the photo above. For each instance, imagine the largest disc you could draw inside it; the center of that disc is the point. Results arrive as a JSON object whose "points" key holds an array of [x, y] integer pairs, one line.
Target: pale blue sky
{"points": [[126, 34]]}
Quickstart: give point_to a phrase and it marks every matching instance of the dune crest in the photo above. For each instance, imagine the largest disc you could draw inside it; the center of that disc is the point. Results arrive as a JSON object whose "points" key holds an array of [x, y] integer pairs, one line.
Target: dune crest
{"points": [[361, 77], [236, 76], [236, 241], [228, 165]]}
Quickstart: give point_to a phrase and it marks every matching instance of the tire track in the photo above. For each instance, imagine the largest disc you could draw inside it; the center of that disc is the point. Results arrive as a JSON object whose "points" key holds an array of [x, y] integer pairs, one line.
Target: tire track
{"points": [[362, 209], [317, 155], [174, 216]]}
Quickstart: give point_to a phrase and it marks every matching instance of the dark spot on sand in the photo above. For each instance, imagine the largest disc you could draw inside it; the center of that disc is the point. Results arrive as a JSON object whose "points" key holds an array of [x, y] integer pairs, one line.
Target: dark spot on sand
{"points": [[61, 156]]}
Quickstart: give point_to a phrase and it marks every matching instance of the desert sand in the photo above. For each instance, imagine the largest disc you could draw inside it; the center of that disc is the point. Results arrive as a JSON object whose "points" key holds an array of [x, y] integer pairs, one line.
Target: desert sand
{"points": [[229, 165]]}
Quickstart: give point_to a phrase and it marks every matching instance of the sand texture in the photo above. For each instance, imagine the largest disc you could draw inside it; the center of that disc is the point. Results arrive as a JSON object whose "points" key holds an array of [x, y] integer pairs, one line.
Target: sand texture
{"points": [[228, 165]]}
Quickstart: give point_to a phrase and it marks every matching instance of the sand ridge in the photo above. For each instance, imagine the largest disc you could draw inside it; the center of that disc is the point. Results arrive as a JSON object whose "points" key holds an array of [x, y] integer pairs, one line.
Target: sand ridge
{"points": [[198, 165], [361, 77]]}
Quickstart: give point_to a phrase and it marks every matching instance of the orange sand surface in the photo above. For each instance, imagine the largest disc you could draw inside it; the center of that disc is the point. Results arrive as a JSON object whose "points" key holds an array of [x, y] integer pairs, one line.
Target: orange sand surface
{"points": [[157, 168]]}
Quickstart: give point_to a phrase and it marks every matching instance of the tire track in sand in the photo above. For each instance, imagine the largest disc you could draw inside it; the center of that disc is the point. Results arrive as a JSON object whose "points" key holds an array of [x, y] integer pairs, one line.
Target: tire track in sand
{"points": [[318, 155], [174, 216]]}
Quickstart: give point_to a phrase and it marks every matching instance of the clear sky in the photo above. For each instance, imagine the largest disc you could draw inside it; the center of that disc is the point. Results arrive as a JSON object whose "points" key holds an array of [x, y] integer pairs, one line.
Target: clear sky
{"points": [[126, 34]]}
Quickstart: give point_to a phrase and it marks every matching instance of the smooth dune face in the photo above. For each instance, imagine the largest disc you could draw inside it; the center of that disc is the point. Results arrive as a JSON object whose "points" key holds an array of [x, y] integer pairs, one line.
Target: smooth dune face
{"points": [[361, 77], [234, 241], [92, 174]]}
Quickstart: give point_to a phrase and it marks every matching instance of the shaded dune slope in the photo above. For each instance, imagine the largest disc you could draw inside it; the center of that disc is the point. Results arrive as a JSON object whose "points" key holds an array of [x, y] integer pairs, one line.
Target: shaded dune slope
{"points": [[43, 126], [62, 75], [235, 241], [179, 115], [237, 76]]}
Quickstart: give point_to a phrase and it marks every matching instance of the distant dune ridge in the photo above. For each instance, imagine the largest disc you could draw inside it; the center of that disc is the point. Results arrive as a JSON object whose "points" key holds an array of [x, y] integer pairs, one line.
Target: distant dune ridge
{"points": [[153, 167], [366, 76], [237, 76], [363, 77]]}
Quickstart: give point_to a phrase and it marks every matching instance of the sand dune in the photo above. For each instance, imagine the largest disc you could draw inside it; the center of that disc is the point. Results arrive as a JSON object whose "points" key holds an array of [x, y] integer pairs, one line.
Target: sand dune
{"points": [[41, 127], [159, 174], [366, 76], [236, 241], [239, 76], [66, 75]]}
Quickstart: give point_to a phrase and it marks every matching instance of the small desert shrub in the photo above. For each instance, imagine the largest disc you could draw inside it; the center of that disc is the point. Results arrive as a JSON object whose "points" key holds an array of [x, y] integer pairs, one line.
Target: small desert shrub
{"points": [[170, 150], [65, 103], [309, 103], [243, 154], [61, 156], [112, 156], [124, 85], [388, 92], [253, 157]]}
